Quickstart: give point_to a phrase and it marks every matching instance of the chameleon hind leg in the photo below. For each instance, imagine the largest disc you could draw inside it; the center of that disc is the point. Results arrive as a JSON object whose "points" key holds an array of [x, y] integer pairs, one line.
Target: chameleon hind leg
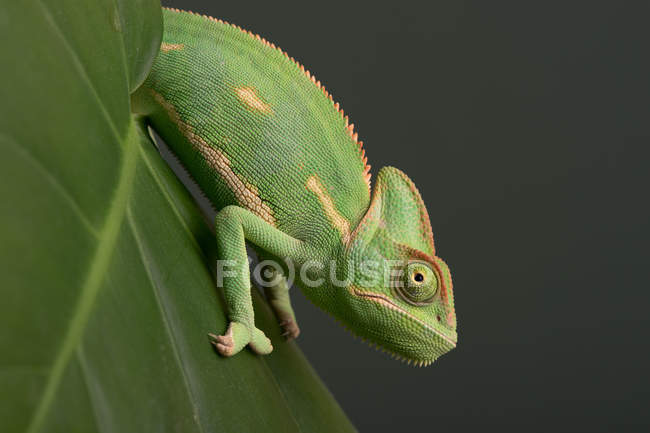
{"points": [[276, 290], [233, 226]]}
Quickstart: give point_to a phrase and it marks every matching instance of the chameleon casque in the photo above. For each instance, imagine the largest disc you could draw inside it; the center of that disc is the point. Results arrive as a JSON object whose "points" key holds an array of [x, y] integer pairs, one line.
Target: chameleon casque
{"points": [[280, 161]]}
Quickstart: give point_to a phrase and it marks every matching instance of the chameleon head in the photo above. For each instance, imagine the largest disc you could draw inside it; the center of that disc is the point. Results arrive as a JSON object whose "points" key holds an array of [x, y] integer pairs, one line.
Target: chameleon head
{"points": [[401, 295]]}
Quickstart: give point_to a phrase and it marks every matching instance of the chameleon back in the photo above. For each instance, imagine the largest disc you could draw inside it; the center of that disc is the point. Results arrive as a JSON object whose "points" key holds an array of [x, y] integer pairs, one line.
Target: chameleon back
{"points": [[266, 135]]}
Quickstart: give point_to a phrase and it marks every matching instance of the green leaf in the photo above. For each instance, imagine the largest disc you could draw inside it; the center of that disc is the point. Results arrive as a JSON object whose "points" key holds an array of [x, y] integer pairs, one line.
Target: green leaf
{"points": [[105, 293]]}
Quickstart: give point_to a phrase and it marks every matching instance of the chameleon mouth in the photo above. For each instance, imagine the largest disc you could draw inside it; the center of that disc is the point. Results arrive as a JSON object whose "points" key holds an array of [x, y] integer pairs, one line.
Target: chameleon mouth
{"points": [[383, 300]]}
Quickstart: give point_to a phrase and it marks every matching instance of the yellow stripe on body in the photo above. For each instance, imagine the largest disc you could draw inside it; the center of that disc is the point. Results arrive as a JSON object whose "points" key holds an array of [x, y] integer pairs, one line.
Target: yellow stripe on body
{"points": [[165, 47], [247, 195], [342, 225]]}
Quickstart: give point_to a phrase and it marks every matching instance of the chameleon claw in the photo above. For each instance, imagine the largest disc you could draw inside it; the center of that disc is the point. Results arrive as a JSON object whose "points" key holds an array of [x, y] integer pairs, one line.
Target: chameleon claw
{"points": [[230, 343], [290, 329], [223, 343], [237, 336]]}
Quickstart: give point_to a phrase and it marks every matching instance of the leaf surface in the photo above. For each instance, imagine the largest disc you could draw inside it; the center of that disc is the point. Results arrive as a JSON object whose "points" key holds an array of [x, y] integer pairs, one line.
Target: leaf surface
{"points": [[105, 293]]}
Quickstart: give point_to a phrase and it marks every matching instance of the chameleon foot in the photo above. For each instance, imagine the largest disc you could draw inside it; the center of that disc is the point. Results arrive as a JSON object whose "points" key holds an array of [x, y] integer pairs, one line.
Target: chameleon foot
{"points": [[290, 329], [260, 343], [237, 336]]}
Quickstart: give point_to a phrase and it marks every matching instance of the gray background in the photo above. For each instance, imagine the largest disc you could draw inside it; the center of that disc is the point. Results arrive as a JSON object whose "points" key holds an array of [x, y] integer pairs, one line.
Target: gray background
{"points": [[525, 126]]}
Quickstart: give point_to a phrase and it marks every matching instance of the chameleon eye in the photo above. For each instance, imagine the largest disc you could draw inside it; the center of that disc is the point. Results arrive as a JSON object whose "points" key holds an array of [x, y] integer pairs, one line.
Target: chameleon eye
{"points": [[420, 284]]}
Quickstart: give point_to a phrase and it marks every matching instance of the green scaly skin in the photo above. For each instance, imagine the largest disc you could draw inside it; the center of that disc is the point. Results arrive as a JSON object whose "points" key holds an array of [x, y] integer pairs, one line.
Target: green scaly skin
{"points": [[276, 156]]}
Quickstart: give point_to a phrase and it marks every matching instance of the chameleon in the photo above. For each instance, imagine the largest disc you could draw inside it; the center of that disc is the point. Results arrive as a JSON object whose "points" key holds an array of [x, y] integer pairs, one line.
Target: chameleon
{"points": [[281, 163]]}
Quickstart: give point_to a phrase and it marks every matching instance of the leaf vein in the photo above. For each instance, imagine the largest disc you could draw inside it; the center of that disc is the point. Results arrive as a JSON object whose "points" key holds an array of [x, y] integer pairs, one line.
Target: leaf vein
{"points": [[91, 285], [84, 374], [147, 264]]}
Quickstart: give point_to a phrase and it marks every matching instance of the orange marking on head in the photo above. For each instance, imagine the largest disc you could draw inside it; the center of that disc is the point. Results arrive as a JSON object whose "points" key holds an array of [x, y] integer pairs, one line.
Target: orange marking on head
{"points": [[366, 171], [249, 96], [165, 47]]}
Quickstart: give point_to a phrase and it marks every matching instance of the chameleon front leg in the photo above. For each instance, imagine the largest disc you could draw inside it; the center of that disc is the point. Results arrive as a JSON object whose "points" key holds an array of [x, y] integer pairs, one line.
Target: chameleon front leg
{"points": [[235, 225]]}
